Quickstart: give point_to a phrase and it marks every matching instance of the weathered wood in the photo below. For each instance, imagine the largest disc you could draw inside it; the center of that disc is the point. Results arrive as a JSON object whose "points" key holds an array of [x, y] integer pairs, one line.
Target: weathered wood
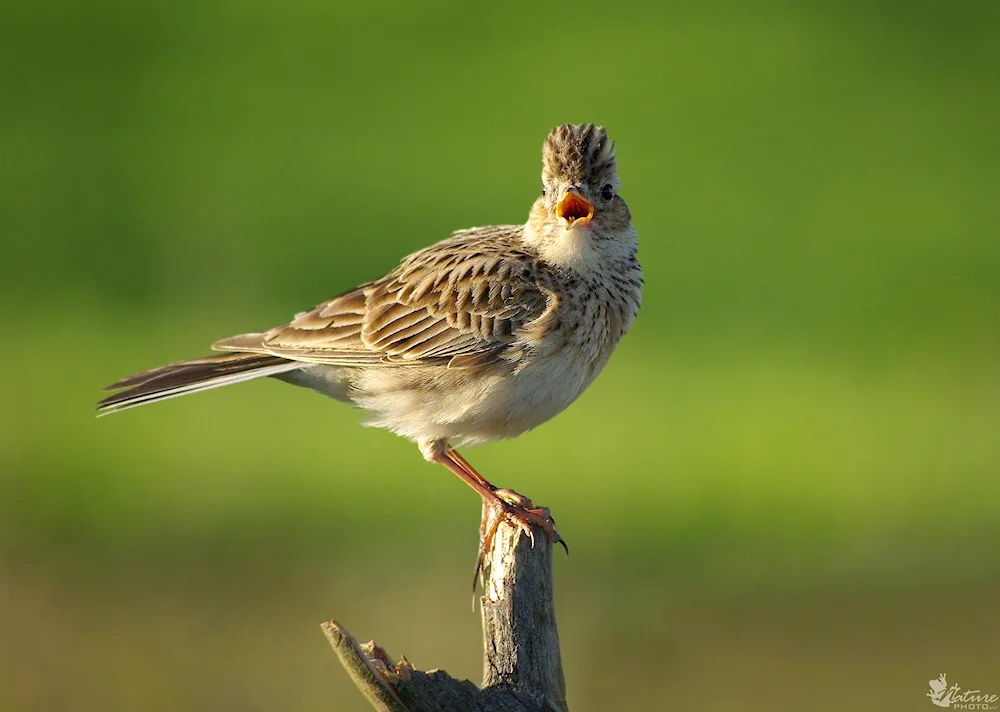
{"points": [[522, 667], [520, 639]]}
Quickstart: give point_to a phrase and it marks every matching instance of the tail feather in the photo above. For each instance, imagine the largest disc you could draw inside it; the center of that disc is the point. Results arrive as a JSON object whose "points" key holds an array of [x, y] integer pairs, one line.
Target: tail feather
{"points": [[179, 379]]}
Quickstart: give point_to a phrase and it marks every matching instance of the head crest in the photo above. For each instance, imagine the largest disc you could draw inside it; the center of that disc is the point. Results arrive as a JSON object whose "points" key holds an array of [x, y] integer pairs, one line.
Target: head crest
{"points": [[575, 151]]}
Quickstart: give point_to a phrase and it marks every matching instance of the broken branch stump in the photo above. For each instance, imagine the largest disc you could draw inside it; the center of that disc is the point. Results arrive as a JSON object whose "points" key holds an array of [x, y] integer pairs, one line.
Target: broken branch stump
{"points": [[522, 665]]}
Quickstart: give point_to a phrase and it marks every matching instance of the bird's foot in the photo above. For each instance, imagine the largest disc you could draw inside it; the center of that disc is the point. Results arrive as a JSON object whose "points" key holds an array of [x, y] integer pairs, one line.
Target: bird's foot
{"points": [[520, 511]]}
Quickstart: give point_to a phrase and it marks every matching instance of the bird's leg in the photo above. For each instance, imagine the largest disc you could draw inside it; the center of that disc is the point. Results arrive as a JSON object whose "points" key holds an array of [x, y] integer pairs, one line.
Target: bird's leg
{"points": [[507, 503], [520, 503], [516, 507]]}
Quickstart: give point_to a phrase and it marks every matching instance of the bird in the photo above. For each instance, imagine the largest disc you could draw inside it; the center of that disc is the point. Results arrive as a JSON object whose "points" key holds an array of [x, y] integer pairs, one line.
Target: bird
{"points": [[482, 336]]}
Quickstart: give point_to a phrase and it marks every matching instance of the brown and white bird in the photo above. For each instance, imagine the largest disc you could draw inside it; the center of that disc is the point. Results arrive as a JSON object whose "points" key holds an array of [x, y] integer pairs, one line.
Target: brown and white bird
{"points": [[481, 336]]}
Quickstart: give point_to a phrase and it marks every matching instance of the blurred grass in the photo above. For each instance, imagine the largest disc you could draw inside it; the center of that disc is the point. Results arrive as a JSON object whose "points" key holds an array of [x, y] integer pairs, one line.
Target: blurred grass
{"points": [[881, 471], [790, 466]]}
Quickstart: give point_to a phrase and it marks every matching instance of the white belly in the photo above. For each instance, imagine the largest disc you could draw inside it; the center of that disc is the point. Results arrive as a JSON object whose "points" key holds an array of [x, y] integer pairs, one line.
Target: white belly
{"points": [[461, 406]]}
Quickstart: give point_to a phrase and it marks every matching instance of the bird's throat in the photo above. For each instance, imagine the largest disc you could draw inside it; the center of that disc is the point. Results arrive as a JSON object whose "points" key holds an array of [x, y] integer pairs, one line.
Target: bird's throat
{"points": [[569, 248]]}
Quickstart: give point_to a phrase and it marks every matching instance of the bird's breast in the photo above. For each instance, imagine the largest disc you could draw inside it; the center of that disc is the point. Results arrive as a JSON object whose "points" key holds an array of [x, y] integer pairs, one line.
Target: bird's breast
{"points": [[597, 313]]}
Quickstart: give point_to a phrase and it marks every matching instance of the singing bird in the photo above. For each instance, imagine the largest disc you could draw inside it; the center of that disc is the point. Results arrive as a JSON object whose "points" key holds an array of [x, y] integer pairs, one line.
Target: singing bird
{"points": [[481, 336]]}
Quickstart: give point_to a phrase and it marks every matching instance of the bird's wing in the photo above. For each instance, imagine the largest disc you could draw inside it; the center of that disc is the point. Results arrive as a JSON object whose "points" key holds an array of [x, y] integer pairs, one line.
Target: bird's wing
{"points": [[460, 302]]}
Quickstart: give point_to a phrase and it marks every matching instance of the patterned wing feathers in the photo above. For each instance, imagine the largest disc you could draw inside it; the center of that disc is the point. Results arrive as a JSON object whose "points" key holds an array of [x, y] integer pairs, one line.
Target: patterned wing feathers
{"points": [[460, 301]]}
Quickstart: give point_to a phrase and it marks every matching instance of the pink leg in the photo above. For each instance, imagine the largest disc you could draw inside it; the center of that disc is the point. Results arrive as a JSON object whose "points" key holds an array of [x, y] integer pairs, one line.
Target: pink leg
{"points": [[513, 506]]}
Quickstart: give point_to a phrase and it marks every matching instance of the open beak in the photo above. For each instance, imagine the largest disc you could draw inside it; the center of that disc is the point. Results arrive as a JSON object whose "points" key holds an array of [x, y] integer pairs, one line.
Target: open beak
{"points": [[574, 210]]}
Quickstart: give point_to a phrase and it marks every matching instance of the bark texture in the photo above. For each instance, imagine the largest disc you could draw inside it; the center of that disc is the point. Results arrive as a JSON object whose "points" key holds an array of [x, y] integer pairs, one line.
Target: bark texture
{"points": [[522, 666]]}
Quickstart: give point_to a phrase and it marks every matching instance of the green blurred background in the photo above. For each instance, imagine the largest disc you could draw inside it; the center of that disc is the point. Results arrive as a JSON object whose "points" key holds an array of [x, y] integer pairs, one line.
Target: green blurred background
{"points": [[781, 494]]}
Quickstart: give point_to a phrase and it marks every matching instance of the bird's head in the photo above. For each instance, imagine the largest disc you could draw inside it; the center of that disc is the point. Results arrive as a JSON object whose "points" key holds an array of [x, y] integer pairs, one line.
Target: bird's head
{"points": [[579, 177], [580, 184]]}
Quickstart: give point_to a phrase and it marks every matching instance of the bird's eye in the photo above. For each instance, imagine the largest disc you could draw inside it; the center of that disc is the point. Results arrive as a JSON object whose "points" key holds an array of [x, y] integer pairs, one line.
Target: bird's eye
{"points": [[607, 191]]}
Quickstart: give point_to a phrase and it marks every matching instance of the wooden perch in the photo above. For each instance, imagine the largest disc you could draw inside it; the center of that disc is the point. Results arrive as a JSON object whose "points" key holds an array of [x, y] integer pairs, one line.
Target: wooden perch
{"points": [[522, 666]]}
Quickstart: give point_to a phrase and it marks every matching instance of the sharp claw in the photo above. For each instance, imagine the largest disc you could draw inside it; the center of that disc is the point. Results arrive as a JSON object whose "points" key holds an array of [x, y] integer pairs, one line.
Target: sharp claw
{"points": [[475, 578], [521, 512], [486, 538]]}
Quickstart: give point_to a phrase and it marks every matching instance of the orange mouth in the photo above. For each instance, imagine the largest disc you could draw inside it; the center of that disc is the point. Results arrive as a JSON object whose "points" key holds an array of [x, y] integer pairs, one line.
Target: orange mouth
{"points": [[574, 210]]}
